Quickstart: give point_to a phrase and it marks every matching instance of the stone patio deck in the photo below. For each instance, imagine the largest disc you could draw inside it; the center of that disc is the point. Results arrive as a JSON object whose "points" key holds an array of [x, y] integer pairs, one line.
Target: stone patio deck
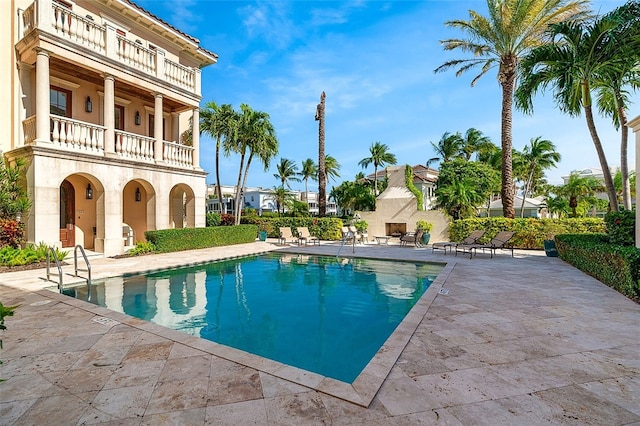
{"points": [[524, 340]]}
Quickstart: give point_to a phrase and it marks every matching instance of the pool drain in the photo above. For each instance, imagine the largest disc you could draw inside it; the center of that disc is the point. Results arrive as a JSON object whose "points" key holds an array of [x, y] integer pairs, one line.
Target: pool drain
{"points": [[444, 291]]}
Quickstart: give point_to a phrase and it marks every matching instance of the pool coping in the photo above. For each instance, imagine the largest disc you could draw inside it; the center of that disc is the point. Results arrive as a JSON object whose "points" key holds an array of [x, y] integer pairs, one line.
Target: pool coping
{"points": [[360, 392]]}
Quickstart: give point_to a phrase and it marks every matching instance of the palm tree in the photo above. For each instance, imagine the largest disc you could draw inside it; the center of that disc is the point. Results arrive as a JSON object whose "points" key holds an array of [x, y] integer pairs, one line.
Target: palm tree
{"points": [[332, 167], [511, 30], [579, 58], [460, 197], [475, 142], [577, 188], [309, 171], [282, 197], [287, 171], [448, 147], [536, 157], [380, 156], [257, 135], [613, 99], [322, 172], [220, 123]]}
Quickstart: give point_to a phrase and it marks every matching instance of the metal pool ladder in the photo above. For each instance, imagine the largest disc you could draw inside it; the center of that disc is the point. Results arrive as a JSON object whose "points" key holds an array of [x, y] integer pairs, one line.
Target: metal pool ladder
{"points": [[51, 250], [87, 270]]}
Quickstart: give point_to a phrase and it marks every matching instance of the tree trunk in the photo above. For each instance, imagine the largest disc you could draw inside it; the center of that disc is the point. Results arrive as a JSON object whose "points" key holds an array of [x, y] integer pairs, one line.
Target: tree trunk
{"points": [[322, 172], [624, 164], [244, 185], [507, 78], [608, 180], [236, 209], [218, 189]]}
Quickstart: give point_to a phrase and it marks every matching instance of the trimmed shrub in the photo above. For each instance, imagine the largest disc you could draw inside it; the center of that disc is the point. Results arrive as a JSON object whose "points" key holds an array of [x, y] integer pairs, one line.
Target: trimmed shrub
{"points": [[213, 219], [325, 228], [614, 265], [169, 240], [10, 256], [621, 227], [530, 233]]}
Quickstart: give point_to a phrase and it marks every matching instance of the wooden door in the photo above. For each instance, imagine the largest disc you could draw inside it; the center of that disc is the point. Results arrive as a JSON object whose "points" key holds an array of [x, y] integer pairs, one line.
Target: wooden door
{"points": [[67, 211]]}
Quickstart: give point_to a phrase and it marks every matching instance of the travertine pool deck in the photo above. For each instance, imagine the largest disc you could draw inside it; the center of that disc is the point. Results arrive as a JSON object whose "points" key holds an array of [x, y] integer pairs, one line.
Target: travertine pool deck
{"points": [[524, 340]]}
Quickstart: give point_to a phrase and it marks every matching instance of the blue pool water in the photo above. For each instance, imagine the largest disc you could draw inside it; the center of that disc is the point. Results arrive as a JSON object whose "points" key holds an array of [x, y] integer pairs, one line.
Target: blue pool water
{"points": [[318, 313]]}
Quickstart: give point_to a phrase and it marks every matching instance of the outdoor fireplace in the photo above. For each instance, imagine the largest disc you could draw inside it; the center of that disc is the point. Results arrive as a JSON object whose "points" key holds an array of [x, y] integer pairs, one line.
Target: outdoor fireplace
{"points": [[395, 229]]}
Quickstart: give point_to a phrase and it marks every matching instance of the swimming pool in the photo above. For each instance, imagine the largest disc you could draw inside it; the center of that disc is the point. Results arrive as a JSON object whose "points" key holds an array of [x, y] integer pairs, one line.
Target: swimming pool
{"points": [[317, 313]]}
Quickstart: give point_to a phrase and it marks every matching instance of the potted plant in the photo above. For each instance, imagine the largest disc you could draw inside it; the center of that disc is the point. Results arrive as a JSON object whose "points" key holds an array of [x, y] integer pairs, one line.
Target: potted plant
{"points": [[426, 228]]}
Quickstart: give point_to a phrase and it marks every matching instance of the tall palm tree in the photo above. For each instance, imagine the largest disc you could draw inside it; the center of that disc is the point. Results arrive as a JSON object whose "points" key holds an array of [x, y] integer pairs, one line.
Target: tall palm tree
{"points": [[536, 157], [612, 97], [448, 147], [287, 171], [220, 123], [512, 28], [380, 156], [573, 64], [322, 172], [257, 136]]}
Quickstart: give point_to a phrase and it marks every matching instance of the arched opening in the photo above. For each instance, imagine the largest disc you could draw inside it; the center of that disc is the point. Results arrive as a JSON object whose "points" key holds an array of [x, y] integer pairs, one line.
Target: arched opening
{"points": [[67, 214], [182, 208], [138, 212], [81, 204]]}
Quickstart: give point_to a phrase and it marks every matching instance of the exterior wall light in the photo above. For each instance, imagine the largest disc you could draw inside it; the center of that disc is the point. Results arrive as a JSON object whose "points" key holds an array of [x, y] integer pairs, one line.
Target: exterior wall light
{"points": [[138, 195], [89, 193], [88, 106], [138, 120]]}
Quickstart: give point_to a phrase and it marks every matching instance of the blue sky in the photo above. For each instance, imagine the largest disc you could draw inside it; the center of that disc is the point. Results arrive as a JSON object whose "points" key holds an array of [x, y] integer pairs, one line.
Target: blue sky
{"points": [[375, 61]]}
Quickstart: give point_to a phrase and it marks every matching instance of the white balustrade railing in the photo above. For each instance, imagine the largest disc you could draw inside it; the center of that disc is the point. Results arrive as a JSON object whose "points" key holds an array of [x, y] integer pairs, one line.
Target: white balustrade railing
{"points": [[135, 55], [134, 147], [180, 75], [79, 29], [71, 134], [29, 129], [177, 155], [104, 40]]}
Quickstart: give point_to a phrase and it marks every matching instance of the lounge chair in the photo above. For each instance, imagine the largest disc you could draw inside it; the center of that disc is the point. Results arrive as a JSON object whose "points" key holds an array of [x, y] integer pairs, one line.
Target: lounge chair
{"points": [[412, 237], [471, 239], [305, 235], [498, 242], [287, 236]]}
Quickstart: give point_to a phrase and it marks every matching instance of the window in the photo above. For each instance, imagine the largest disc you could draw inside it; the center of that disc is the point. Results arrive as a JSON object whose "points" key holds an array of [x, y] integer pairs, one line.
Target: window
{"points": [[60, 101], [118, 115]]}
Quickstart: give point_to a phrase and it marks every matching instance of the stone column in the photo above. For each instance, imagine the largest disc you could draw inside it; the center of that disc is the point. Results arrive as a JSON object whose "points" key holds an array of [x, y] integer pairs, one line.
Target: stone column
{"points": [[109, 116], [42, 97], [157, 128], [195, 128], [635, 126], [26, 101]]}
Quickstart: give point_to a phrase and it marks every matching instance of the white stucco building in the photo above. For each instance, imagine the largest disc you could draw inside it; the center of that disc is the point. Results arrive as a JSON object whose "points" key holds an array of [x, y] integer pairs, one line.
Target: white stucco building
{"points": [[98, 97]]}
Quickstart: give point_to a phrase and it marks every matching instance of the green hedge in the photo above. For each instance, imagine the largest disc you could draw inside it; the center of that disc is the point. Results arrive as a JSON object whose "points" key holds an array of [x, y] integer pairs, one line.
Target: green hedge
{"points": [[530, 233], [169, 240], [614, 265], [325, 228]]}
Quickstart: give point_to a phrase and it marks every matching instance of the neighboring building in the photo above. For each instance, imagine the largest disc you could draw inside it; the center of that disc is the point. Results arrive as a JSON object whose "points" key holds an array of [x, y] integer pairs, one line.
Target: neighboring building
{"points": [[99, 94], [533, 207], [259, 199], [424, 178], [312, 202]]}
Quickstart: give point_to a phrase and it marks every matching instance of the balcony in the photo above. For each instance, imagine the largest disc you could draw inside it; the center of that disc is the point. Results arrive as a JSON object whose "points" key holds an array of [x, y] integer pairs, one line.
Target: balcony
{"points": [[77, 136], [105, 40]]}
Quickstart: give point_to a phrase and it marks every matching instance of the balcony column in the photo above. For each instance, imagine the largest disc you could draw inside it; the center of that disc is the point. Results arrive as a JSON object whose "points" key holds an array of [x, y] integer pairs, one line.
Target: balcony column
{"points": [[175, 127], [44, 14], [157, 128], [42, 97], [109, 115], [195, 131], [197, 76]]}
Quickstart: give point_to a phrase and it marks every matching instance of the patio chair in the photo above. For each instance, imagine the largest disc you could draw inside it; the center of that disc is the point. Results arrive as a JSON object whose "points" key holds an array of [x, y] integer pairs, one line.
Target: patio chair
{"points": [[287, 236], [500, 241], [305, 235], [471, 239], [412, 237]]}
